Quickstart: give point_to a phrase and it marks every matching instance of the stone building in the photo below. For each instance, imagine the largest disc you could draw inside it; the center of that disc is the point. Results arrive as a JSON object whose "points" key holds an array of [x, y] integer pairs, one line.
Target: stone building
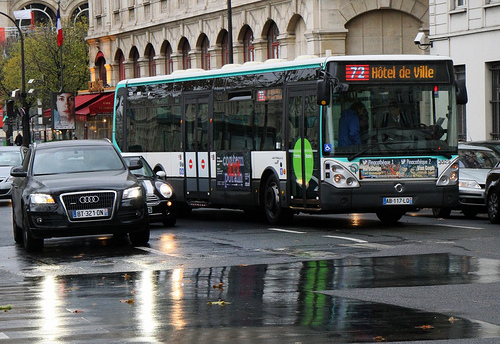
{"points": [[132, 38]]}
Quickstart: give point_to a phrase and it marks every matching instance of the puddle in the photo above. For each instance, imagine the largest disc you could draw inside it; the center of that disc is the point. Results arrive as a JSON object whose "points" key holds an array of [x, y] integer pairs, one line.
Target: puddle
{"points": [[289, 303]]}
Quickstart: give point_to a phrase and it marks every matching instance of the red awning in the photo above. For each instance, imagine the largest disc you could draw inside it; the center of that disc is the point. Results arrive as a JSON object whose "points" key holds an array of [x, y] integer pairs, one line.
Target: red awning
{"points": [[104, 105]]}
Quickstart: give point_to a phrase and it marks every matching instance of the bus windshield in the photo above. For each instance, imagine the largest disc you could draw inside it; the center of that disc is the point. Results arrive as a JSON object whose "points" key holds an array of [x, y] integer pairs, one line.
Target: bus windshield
{"points": [[375, 119]]}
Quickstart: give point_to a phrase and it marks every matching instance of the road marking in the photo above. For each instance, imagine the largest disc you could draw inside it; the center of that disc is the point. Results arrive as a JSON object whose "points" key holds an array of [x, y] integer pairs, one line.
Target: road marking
{"points": [[453, 226], [151, 250], [346, 238], [285, 230]]}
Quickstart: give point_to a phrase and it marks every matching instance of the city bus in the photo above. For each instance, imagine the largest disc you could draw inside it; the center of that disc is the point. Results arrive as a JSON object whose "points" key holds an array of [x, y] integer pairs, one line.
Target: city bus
{"points": [[267, 137]]}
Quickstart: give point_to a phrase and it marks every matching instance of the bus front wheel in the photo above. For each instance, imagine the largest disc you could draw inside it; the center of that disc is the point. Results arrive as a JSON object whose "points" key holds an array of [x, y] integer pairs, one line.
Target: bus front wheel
{"points": [[389, 216], [275, 213]]}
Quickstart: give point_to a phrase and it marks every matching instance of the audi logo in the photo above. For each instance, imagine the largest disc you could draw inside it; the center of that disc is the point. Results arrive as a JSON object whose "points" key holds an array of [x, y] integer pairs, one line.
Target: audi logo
{"points": [[89, 199]]}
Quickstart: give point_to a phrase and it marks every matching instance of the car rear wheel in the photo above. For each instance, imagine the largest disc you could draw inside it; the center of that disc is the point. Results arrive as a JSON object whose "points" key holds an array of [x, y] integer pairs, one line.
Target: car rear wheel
{"points": [[493, 205], [31, 244], [470, 214], [141, 237], [17, 231], [441, 212]]}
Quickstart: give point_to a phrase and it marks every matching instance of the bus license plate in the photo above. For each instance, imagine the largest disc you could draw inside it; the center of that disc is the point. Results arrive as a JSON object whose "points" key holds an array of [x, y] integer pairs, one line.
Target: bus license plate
{"points": [[78, 214], [398, 200]]}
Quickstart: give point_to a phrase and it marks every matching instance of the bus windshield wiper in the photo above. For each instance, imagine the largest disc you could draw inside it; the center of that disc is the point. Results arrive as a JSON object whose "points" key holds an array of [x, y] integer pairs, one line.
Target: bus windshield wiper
{"points": [[354, 156]]}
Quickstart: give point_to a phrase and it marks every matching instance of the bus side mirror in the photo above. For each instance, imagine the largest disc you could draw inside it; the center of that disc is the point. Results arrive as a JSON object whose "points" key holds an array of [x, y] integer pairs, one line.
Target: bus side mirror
{"points": [[323, 92], [461, 91]]}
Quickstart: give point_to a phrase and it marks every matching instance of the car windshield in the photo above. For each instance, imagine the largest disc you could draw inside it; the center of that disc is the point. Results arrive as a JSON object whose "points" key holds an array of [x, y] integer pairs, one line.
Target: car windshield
{"points": [[76, 159], [10, 158], [145, 171], [470, 158]]}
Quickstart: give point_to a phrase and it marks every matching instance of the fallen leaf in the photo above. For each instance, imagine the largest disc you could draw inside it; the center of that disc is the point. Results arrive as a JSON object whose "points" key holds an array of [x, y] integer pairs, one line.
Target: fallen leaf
{"points": [[218, 286], [77, 311], [425, 327], [127, 276], [219, 303], [129, 301], [379, 339], [452, 319], [5, 308]]}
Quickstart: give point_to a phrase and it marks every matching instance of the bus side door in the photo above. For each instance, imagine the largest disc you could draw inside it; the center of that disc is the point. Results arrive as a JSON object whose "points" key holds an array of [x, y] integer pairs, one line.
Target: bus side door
{"points": [[303, 132], [197, 116]]}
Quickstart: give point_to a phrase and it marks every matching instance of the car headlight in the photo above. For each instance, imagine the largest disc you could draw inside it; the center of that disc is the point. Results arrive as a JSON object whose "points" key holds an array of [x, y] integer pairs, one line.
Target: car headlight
{"points": [[37, 199], [134, 192], [165, 190], [469, 184]]}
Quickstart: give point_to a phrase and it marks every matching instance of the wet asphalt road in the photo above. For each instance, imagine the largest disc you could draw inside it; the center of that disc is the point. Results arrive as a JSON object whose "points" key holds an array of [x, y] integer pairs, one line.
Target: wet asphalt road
{"points": [[222, 277]]}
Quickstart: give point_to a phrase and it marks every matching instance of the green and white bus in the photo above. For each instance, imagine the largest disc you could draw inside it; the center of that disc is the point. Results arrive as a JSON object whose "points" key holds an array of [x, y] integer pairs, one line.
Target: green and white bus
{"points": [[268, 136]]}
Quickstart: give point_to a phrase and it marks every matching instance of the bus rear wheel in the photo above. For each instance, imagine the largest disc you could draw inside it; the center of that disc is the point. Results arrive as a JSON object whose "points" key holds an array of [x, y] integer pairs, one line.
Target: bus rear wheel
{"points": [[275, 213], [390, 216]]}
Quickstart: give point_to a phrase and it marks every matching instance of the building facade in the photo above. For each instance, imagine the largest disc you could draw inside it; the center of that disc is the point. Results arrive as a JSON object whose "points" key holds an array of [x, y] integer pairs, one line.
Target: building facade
{"points": [[469, 32], [133, 38]]}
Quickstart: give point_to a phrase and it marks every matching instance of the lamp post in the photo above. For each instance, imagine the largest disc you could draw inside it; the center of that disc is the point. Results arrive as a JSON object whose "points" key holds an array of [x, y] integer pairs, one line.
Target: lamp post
{"points": [[25, 114]]}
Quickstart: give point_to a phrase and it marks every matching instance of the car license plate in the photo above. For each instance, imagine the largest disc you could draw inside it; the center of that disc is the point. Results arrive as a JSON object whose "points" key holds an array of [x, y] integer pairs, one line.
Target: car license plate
{"points": [[397, 200], [150, 210], [78, 214]]}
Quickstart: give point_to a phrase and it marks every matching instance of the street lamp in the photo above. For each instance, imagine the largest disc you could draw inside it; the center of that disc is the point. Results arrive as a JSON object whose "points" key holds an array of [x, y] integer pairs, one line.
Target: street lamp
{"points": [[24, 112]]}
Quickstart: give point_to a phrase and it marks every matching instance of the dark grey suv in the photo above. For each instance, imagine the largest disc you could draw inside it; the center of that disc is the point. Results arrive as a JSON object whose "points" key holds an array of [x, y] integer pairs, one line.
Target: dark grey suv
{"points": [[78, 187]]}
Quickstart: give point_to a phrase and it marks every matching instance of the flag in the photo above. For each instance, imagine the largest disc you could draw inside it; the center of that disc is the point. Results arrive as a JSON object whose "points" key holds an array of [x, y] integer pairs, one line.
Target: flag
{"points": [[59, 28]]}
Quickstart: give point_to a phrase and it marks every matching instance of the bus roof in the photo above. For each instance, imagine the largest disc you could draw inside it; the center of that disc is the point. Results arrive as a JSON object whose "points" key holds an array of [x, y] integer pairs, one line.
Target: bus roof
{"points": [[269, 66]]}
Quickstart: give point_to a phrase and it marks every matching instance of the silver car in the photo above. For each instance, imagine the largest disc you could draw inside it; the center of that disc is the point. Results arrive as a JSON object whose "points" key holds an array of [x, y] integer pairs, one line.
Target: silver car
{"points": [[475, 161], [9, 156]]}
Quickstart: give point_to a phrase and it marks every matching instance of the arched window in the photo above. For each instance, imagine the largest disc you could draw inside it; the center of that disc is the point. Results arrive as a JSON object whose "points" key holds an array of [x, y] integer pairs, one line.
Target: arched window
{"points": [[81, 13], [42, 14], [169, 63], [186, 59], [150, 52], [205, 55], [100, 63], [225, 48], [134, 55], [121, 65], [248, 47], [272, 42]]}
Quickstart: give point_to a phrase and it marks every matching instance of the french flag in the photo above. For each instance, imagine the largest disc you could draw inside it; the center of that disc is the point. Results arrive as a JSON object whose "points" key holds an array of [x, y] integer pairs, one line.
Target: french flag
{"points": [[59, 28]]}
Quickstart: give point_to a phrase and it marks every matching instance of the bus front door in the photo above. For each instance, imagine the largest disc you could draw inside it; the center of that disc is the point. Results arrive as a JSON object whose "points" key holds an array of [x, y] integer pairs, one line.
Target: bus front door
{"points": [[303, 143], [196, 147]]}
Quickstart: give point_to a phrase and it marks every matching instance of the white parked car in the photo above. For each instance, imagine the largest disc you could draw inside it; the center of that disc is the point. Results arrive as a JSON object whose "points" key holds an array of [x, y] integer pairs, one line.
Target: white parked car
{"points": [[474, 164], [9, 156]]}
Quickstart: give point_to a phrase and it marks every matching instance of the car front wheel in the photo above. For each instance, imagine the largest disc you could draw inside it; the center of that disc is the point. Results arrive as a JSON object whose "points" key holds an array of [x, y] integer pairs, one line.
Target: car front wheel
{"points": [[31, 244], [141, 237], [493, 205]]}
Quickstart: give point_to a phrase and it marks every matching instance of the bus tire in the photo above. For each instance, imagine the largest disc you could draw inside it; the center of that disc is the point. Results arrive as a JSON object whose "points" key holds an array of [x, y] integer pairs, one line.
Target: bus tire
{"points": [[389, 216], [275, 213]]}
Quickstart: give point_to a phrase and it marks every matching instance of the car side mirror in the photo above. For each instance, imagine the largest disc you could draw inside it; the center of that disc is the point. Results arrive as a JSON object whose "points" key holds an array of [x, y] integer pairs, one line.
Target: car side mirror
{"points": [[135, 164], [161, 174], [18, 171]]}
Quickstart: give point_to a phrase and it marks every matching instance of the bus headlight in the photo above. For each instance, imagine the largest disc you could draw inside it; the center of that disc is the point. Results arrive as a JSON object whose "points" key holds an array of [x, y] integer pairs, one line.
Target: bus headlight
{"points": [[449, 175], [339, 176]]}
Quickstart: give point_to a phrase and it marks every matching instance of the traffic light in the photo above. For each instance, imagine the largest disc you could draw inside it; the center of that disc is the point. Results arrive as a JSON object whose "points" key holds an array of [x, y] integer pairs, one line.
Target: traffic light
{"points": [[9, 120]]}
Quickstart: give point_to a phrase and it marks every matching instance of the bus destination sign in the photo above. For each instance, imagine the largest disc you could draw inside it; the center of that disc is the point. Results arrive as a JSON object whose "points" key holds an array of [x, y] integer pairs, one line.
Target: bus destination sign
{"points": [[387, 72]]}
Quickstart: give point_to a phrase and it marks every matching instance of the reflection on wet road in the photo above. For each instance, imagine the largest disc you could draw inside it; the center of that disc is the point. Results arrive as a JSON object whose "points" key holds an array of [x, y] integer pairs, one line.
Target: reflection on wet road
{"points": [[285, 303]]}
